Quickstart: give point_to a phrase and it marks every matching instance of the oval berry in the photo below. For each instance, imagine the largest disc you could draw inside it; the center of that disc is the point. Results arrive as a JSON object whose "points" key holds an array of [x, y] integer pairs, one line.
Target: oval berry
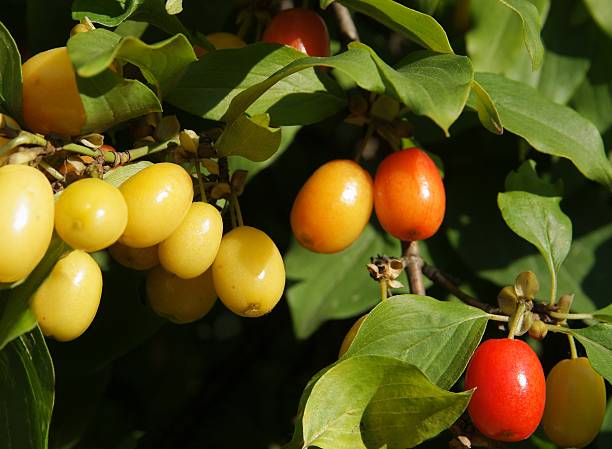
{"points": [[302, 29], [158, 198], [248, 272], [332, 207], [575, 403], [67, 301], [26, 220], [409, 196], [510, 389], [51, 99]]}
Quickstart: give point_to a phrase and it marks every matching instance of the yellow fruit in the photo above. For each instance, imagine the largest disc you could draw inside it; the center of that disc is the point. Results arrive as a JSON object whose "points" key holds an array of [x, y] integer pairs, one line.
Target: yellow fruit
{"points": [[333, 207], [90, 214], [350, 335], [220, 41], [180, 300], [575, 403], [158, 199], [26, 220], [248, 272], [191, 248], [135, 258], [67, 301], [51, 99]]}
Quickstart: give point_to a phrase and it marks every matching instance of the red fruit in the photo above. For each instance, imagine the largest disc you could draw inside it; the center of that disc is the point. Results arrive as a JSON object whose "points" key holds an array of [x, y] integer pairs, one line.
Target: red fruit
{"points": [[409, 196], [510, 389], [302, 29]]}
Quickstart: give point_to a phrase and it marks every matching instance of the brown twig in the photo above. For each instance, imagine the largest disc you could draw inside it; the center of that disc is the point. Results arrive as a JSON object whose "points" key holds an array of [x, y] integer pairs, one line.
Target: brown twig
{"points": [[345, 22], [410, 250], [442, 280]]}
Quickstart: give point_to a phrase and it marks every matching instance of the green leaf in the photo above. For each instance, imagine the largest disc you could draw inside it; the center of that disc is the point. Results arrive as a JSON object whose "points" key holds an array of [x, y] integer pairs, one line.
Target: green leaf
{"points": [[288, 133], [540, 221], [416, 26], [109, 99], [500, 30], [162, 63], [530, 19], [597, 340], [373, 401], [210, 84], [526, 179], [10, 75], [27, 392], [110, 13], [487, 112], [331, 286], [436, 86], [435, 336], [249, 137], [548, 127], [604, 314], [15, 315], [601, 11], [119, 175]]}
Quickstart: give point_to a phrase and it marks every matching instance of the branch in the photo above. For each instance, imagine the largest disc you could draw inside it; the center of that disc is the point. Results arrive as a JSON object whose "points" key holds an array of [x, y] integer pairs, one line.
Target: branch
{"points": [[410, 251], [442, 280], [345, 22]]}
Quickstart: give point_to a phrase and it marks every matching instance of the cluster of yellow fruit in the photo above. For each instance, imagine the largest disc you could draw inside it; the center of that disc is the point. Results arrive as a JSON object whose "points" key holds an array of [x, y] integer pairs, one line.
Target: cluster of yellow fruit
{"points": [[149, 222]]}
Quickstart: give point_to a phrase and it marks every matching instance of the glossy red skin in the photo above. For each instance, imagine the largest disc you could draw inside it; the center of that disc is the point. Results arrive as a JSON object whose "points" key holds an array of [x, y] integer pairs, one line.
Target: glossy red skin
{"points": [[409, 196], [302, 29], [508, 403]]}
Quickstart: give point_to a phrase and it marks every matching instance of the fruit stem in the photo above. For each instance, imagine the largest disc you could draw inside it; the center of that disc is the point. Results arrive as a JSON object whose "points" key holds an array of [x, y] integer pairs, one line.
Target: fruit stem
{"points": [[558, 329], [121, 157], [345, 22], [230, 209], [200, 179], [364, 143], [514, 320], [572, 344], [439, 278], [571, 316], [234, 202], [413, 267], [53, 172], [382, 282], [495, 317]]}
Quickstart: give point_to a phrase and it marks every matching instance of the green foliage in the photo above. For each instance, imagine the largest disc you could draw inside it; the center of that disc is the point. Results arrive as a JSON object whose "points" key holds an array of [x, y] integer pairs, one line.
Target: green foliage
{"points": [[435, 336], [362, 402], [250, 137], [540, 221], [162, 64], [597, 340], [10, 75], [15, 315], [549, 127], [121, 174], [109, 99], [210, 84], [538, 69], [313, 295], [421, 28], [27, 392]]}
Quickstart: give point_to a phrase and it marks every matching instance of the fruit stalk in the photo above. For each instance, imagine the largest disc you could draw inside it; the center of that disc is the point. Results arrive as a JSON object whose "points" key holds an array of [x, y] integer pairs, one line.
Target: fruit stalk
{"points": [[345, 22], [443, 281], [413, 267]]}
